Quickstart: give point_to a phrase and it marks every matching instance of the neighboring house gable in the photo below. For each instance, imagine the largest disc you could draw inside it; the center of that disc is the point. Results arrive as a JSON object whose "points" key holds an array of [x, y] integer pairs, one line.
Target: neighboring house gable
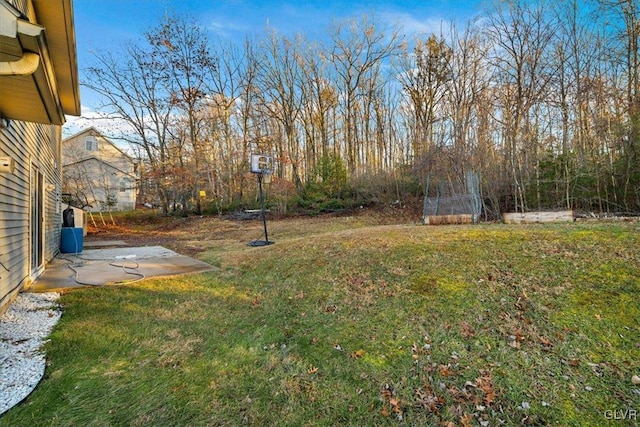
{"points": [[97, 175], [38, 86]]}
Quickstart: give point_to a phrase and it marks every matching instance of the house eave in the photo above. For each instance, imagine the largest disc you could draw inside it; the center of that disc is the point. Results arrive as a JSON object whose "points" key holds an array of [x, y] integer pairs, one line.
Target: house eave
{"points": [[57, 17], [38, 66]]}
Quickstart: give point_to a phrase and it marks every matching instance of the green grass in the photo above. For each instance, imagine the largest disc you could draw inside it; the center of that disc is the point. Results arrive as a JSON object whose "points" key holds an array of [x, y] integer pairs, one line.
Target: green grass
{"points": [[343, 323]]}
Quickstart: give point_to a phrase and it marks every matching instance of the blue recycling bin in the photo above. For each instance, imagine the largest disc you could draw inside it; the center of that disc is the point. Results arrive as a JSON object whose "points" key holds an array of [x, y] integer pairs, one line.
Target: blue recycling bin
{"points": [[71, 240]]}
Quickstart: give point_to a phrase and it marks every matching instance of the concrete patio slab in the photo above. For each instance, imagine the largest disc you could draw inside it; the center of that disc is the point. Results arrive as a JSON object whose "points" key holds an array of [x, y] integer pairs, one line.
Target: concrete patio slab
{"points": [[98, 267], [142, 252]]}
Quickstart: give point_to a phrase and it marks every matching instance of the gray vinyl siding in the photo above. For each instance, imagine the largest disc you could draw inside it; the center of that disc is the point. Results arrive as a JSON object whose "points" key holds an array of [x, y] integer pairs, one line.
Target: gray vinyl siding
{"points": [[28, 144]]}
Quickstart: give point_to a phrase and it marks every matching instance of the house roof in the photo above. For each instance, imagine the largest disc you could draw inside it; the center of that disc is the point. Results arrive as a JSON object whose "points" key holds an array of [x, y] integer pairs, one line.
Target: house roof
{"points": [[90, 129], [93, 131], [38, 62]]}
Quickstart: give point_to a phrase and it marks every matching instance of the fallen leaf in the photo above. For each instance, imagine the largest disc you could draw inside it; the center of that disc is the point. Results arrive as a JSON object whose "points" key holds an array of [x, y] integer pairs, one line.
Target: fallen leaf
{"points": [[415, 351], [312, 369], [485, 383], [467, 330], [489, 396], [465, 420], [337, 347], [428, 399], [395, 403], [456, 411], [357, 354], [546, 341], [388, 391], [445, 371], [454, 392]]}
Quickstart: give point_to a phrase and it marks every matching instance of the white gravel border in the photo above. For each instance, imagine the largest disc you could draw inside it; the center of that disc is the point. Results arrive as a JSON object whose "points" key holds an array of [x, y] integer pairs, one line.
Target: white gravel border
{"points": [[23, 330]]}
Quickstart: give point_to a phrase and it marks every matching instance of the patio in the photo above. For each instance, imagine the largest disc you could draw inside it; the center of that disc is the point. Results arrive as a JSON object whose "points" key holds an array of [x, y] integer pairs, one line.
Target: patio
{"points": [[112, 262]]}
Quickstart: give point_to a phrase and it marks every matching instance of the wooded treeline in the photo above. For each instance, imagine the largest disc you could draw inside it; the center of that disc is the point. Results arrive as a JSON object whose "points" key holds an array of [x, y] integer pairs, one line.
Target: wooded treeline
{"points": [[540, 98]]}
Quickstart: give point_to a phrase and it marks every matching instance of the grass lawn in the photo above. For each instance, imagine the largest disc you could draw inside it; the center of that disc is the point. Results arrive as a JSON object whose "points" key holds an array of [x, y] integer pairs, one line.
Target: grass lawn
{"points": [[344, 323]]}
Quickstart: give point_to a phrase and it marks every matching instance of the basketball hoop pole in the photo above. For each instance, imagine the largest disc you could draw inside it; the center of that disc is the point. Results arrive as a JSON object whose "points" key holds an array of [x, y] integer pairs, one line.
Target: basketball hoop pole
{"points": [[262, 165], [264, 218]]}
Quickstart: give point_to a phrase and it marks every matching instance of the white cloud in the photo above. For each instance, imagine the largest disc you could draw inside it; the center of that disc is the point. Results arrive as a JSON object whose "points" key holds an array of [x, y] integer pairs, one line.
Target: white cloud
{"points": [[227, 29], [410, 25]]}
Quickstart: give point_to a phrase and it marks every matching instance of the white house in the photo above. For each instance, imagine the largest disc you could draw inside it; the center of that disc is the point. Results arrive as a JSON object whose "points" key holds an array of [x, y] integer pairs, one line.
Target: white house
{"points": [[96, 174], [38, 86]]}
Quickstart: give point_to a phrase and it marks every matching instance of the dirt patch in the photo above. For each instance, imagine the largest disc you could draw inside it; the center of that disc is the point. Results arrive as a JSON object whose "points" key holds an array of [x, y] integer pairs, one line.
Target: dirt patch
{"points": [[195, 234], [181, 235]]}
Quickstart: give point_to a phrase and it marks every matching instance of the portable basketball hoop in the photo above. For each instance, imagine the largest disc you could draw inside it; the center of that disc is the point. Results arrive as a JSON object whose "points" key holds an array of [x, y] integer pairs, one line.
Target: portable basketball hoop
{"points": [[262, 166]]}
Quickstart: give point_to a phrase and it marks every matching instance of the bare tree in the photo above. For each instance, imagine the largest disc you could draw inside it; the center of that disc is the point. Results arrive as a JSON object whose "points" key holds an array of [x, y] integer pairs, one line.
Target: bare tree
{"points": [[468, 82], [540, 97], [358, 50], [520, 33], [424, 74], [279, 81], [627, 14], [249, 123], [224, 146], [576, 49], [132, 86], [319, 100], [181, 47]]}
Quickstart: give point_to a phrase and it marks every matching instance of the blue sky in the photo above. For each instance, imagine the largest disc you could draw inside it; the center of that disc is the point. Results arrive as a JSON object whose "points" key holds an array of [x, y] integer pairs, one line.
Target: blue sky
{"points": [[98, 21], [106, 24]]}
